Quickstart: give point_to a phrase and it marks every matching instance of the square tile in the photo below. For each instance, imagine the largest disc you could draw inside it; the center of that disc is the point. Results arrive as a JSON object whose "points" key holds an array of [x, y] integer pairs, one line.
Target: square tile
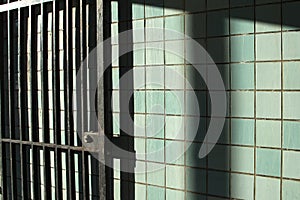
{"points": [[218, 49], [218, 183], [242, 20], [242, 48], [140, 191], [154, 8], [155, 192], [115, 78], [138, 24], [195, 180], [174, 52], [242, 186], [192, 156], [114, 11], [173, 7], [242, 131], [195, 129], [139, 54], [174, 127], [268, 104], [192, 30], [290, 15], [139, 125], [156, 174], [290, 189], [291, 42], [242, 104], [218, 158], [242, 76], [291, 164], [291, 139], [157, 33], [268, 133], [140, 177], [242, 159], [139, 102], [291, 107], [264, 42], [218, 23], [155, 126], [268, 75], [140, 147], [267, 188], [268, 162], [138, 10], [155, 150], [139, 77], [116, 124], [174, 102], [155, 77], [196, 103], [174, 77], [175, 152], [154, 54], [176, 24], [193, 79], [268, 18], [175, 177], [291, 74]]}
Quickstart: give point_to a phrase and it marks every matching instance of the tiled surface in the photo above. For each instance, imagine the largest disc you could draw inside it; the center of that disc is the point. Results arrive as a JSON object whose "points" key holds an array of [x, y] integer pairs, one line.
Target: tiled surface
{"points": [[256, 48]]}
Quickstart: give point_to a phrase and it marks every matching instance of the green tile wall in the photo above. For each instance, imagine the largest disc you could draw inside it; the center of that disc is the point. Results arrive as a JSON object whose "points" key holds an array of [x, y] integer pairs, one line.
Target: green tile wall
{"points": [[256, 47]]}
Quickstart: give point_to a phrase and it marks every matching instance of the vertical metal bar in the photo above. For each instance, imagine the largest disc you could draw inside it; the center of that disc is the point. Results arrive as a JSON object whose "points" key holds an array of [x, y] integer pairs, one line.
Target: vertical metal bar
{"points": [[82, 27], [10, 104], [34, 106], [21, 92], [107, 85], [99, 20], [126, 61], [56, 99], [69, 70]]}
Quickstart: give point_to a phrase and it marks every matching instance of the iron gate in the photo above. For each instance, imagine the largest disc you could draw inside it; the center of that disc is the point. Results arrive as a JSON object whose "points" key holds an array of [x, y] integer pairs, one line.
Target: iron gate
{"points": [[42, 46]]}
